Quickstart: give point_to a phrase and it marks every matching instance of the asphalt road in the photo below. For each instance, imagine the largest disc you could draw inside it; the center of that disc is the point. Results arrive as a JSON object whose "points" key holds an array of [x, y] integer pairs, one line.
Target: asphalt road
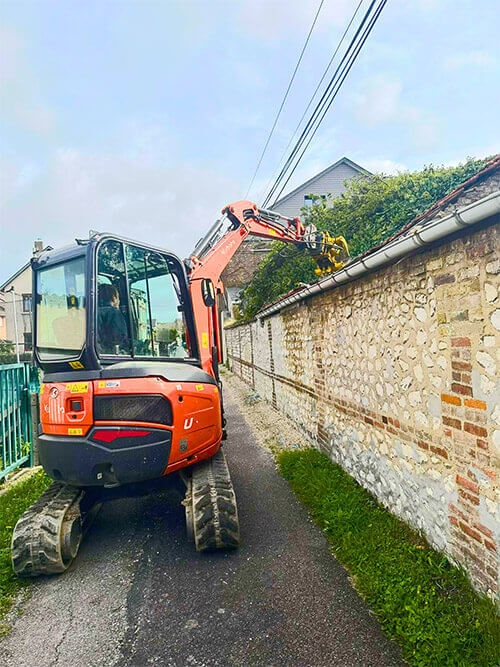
{"points": [[139, 594]]}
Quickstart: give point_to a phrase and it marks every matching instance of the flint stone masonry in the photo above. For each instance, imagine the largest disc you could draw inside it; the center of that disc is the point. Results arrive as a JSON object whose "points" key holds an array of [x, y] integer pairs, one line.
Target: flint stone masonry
{"points": [[396, 377]]}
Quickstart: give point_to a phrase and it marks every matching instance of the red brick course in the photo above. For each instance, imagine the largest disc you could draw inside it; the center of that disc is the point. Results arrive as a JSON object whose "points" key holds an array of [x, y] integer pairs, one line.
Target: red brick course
{"points": [[470, 532], [452, 400], [475, 403], [467, 483], [461, 366], [454, 423], [475, 430], [460, 342], [461, 389]]}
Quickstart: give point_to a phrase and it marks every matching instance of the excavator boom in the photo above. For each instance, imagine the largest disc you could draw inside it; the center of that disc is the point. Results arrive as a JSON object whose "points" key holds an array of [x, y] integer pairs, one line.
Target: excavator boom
{"points": [[213, 252], [216, 251]]}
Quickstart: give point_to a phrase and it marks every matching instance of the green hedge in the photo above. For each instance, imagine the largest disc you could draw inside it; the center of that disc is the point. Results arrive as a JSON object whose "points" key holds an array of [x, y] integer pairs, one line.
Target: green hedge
{"points": [[368, 212]]}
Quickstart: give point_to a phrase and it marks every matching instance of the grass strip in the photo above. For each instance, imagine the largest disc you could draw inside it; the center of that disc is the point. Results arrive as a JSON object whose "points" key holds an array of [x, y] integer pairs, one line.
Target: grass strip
{"points": [[12, 504], [422, 601]]}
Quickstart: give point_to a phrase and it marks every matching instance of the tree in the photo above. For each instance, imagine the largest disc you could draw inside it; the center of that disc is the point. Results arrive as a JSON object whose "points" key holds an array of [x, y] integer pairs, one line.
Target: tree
{"points": [[7, 354], [368, 212]]}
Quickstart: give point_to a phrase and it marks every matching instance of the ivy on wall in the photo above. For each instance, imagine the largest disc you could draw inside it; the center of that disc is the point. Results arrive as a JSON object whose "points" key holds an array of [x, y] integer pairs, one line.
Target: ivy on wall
{"points": [[368, 212]]}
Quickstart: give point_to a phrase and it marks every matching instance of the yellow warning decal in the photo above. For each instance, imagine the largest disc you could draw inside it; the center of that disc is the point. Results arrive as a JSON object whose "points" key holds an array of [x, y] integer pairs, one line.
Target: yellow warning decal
{"points": [[42, 387], [204, 340], [101, 384], [76, 364], [199, 387], [75, 431], [78, 387]]}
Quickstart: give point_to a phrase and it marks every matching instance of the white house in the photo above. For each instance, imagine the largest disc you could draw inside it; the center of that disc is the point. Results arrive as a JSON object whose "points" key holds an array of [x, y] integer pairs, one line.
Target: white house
{"points": [[329, 181], [15, 306]]}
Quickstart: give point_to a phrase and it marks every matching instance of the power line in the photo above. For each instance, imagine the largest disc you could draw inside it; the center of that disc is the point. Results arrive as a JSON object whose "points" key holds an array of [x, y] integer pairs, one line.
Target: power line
{"points": [[315, 92], [284, 98], [317, 110], [329, 94], [339, 83]]}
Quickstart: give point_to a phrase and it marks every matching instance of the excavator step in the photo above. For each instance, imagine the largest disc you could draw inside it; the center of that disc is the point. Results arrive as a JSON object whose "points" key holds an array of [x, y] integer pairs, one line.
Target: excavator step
{"points": [[47, 536], [210, 504]]}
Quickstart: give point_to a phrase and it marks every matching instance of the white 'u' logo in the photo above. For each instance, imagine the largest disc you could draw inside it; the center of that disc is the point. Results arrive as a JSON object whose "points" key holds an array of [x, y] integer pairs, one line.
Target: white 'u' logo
{"points": [[188, 423]]}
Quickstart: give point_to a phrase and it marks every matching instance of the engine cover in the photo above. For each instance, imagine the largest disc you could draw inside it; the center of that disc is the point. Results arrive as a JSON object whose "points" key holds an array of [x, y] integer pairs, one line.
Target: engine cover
{"points": [[113, 431]]}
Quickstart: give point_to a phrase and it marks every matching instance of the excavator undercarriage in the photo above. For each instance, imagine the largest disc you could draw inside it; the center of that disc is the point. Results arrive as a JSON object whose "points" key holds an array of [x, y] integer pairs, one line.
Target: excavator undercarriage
{"points": [[210, 506], [47, 537]]}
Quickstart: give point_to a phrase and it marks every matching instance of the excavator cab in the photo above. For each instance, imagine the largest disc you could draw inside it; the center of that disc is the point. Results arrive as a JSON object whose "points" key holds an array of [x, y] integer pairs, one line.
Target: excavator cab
{"points": [[124, 399], [107, 300]]}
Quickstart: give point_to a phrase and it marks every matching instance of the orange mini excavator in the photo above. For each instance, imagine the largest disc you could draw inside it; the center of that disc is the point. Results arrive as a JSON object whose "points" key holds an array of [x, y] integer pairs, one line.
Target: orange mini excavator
{"points": [[129, 341]]}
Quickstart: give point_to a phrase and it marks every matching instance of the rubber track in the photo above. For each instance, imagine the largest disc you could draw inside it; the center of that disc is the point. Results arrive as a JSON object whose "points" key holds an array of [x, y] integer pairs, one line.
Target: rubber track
{"points": [[37, 546], [215, 514]]}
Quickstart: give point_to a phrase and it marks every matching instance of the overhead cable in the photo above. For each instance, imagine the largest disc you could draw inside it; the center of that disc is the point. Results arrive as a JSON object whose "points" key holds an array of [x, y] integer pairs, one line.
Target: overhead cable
{"points": [[343, 75], [320, 105], [292, 137], [327, 98], [284, 97]]}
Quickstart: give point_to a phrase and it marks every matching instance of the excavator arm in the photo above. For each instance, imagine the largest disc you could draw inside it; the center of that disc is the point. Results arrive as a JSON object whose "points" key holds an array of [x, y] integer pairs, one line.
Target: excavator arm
{"points": [[214, 253]]}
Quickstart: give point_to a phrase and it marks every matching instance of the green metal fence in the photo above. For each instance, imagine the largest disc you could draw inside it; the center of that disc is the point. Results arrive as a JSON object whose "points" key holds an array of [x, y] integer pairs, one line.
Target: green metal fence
{"points": [[17, 381]]}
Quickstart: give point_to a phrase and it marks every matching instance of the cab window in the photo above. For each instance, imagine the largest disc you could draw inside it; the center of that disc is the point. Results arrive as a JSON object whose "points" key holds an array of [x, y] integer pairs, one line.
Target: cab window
{"points": [[139, 302], [158, 327], [113, 326], [169, 330], [60, 310]]}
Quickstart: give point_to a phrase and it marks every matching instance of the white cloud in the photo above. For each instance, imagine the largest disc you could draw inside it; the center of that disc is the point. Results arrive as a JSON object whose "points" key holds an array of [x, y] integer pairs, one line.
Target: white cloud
{"points": [[20, 98], [380, 100], [76, 191], [478, 58], [427, 5], [382, 165], [269, 19]]}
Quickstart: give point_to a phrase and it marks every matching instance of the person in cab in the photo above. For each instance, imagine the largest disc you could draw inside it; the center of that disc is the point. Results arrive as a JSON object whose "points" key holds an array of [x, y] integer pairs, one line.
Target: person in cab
{"points": [[112, 330]]}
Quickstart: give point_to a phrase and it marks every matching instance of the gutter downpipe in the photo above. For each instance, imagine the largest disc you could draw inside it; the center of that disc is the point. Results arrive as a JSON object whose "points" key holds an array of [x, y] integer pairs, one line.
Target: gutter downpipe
{"points": [[423, 235]]}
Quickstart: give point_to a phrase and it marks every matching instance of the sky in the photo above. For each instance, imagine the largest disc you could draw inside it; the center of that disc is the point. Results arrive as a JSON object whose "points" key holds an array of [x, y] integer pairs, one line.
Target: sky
{"points": [[146, 118]]}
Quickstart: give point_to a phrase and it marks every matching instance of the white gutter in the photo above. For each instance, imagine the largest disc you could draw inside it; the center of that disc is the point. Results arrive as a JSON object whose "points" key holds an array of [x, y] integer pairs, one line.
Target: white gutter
{"points": [[422, 235]]}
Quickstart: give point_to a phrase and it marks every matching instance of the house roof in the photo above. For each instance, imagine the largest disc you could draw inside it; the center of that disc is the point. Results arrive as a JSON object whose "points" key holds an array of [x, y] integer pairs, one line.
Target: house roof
{"points": [[19, 271], [343, 160], [14, 276]]}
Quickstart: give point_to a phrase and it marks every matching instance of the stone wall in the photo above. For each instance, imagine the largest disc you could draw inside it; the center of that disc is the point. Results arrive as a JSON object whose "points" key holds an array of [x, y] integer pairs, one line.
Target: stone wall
{"points": [[395, 376]]}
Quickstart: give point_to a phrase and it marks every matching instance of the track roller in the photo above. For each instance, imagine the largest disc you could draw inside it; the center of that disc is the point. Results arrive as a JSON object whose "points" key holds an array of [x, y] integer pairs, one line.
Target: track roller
{"points": [[210, 505], [47, 537]]}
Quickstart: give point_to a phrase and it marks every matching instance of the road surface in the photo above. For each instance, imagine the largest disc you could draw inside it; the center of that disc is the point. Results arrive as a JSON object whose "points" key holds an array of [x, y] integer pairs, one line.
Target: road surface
{"points": [[140, 595]]}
